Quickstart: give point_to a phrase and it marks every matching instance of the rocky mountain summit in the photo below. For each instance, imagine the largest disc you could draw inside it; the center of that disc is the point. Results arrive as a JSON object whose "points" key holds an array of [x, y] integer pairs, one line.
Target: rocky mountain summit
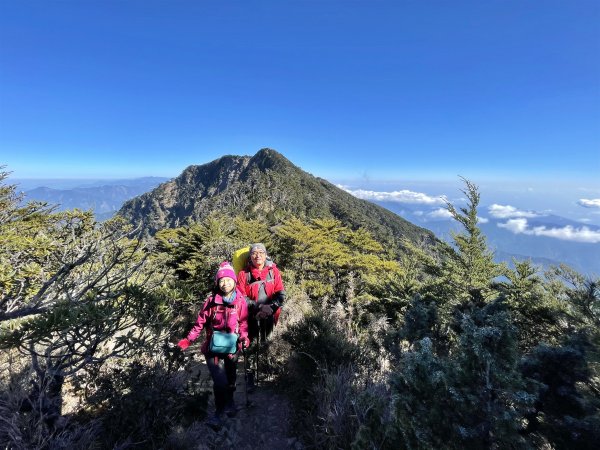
{"points": [[267, 186]]}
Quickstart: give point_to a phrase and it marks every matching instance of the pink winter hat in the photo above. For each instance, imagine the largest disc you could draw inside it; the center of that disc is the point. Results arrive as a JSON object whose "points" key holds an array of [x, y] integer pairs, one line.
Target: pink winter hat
{"points": [[225, 270]]}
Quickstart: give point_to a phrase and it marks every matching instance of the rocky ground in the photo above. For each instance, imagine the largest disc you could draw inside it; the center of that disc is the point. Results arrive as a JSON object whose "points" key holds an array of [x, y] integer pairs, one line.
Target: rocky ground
{"points": [[264, 424]]}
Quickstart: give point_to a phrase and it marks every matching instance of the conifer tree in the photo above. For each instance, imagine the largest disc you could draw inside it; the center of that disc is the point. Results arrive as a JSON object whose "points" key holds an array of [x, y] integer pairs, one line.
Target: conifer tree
{"points": [[465, 276], [535, 311], [463, 343], [489, 399], [469, 268], [194, 251], [248, 231], [567, 408], [330, 258]]}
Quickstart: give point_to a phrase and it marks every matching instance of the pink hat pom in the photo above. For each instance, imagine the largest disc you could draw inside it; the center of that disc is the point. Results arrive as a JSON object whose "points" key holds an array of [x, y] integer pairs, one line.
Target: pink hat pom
{"points": [[225, 270]]}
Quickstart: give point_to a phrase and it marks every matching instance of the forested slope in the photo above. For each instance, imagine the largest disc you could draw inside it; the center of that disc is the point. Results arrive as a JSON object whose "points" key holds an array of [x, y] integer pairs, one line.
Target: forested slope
{"points": [[267, 187]]}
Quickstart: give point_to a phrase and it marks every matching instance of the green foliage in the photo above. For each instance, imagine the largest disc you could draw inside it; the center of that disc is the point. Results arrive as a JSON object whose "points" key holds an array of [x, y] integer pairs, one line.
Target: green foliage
{"points": [[420, 319], [376, 423], [488, 393], [74, 294], [71, 336], [458, 385], [564, 413], [330, 380], [469, 268], [194, 252], [320, 344], [473, 397], [248, 231], [334, 261], [37, 250], [422, 399], [536, 313]]}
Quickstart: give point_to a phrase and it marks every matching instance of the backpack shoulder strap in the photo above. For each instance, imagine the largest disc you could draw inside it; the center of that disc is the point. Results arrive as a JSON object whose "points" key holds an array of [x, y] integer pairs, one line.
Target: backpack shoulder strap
{"points": [[270, 276]]}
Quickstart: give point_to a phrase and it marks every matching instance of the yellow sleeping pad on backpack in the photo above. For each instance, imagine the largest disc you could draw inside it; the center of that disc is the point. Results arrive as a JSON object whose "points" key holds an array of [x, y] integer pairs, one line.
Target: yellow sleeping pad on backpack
{"points": [[240, 258]]}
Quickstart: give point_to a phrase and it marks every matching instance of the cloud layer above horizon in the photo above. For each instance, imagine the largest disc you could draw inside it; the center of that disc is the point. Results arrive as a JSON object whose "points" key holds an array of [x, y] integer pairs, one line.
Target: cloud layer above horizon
{"points": [[403, 196], [566, 233], [509, 217]]}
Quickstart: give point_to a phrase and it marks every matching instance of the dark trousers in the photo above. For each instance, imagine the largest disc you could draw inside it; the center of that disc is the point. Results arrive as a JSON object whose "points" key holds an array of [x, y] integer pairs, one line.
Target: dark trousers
{"points": [[222, 369], [262, 327], [258, 332]]}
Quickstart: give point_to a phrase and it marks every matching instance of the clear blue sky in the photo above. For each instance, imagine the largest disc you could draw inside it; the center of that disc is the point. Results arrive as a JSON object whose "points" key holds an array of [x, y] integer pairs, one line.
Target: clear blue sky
{"points": [[345, 89]]}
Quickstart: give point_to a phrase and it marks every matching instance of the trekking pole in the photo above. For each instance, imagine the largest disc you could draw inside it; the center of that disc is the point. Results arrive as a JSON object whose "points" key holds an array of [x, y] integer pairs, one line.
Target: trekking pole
{"points": [[257, 351], [266, 367], [245, 374]]}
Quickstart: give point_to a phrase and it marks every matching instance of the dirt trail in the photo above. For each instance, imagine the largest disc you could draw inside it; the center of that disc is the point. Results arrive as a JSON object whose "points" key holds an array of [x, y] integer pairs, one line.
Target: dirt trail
{"points": [[265, 424]]}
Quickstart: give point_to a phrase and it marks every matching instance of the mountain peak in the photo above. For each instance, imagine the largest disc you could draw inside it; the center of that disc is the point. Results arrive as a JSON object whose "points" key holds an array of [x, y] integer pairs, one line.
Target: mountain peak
{"points": [[266, 186], [267, 158]]}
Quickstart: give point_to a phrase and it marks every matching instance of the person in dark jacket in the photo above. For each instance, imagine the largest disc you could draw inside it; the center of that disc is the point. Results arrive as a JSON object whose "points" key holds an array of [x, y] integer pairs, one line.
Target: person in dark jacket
{"points": [[224, 311]]}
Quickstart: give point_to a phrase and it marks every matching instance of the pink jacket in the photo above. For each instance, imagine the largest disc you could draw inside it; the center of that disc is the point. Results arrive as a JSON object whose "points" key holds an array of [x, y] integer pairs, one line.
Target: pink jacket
{"points": [[216, 315]]}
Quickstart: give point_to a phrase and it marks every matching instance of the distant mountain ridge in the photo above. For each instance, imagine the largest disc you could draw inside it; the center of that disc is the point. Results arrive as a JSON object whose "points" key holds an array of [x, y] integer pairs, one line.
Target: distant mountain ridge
{"points": [[299, 191], [103, 197], [541, 250], [267, 186]]}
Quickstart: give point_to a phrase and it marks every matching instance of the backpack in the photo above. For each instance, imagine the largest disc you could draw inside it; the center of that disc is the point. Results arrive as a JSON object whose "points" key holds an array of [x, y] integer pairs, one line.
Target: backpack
{"points": [[270, 277], [240, 259]]}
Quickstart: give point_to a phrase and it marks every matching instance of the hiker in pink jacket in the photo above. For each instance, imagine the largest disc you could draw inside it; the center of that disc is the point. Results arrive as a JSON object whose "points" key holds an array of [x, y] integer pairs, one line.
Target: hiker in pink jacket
{"points": [[224, 316]]}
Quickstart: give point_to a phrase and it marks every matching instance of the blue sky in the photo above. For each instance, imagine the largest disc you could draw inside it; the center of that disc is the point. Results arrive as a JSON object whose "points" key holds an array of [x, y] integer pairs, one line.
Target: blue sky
{"points": [[381, 95]]}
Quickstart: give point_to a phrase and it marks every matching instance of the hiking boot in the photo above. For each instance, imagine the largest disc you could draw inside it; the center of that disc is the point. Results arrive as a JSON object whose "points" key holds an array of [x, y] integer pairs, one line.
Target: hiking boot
{"points": [[215, 422]]}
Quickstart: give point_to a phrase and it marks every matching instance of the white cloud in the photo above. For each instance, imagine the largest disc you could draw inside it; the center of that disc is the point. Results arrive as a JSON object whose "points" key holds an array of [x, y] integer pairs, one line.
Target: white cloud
{"points": [[482, 219], [566, 233], [589, 203], [507, 212], [440, 213], [569, 233], [515, 225], [403, 196]]}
